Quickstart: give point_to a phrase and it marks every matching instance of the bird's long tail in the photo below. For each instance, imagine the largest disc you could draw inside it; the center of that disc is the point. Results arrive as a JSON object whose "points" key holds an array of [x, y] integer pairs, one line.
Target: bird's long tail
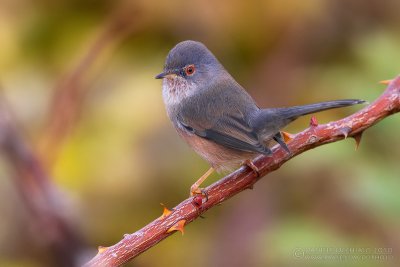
{"points": [[292, 113], [270, 121]]}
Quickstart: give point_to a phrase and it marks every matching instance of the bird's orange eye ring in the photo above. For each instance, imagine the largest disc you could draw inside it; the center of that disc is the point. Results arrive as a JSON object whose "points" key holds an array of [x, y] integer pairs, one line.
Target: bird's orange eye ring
{"points": [[190, 70]]}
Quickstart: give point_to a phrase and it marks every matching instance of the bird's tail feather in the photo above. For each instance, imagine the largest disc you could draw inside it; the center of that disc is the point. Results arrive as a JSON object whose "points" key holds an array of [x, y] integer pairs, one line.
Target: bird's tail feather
{"points": [[293, 113]]}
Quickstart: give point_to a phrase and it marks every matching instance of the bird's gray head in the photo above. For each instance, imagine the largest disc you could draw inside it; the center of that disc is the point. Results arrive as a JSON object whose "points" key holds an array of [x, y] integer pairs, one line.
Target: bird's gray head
{"points": [[189, 66]]}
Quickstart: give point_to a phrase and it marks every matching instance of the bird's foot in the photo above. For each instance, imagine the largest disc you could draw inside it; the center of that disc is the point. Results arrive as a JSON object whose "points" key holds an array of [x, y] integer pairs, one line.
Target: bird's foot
{"points": [[253, 167], [196, 190]]}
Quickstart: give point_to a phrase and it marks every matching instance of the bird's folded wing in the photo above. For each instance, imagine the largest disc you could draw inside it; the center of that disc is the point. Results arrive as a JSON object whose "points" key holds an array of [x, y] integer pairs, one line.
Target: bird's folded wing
{"points": [[228, 131]]}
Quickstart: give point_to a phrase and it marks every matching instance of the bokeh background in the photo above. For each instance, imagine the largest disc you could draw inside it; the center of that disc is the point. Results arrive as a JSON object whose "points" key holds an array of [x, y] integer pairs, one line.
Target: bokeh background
{"points": [[88, 152]]}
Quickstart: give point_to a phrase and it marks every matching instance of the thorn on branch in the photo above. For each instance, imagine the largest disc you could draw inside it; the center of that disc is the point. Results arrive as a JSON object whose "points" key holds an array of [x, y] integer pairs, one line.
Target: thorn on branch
{"points": [[166, 211], [386, 82], [101, 249], [345, 131], [357, 138], [313, 122], [287, 137], [179, 226]]}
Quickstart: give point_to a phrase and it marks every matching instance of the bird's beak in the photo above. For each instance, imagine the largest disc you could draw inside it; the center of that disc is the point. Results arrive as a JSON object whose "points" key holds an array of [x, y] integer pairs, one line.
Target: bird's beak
{"points": [[165, 74], [161, 75]]}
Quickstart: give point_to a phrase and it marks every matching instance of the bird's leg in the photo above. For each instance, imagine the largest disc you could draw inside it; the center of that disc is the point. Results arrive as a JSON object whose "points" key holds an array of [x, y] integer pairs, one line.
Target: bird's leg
{"points": [[195, 188], [253, 167], [279, 139]]}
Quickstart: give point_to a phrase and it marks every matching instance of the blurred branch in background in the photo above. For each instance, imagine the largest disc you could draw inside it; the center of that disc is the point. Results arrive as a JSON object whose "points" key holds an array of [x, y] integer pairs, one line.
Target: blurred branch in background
{"points": [[47, 211], [69, 93], [190, 209], [53, 230]]}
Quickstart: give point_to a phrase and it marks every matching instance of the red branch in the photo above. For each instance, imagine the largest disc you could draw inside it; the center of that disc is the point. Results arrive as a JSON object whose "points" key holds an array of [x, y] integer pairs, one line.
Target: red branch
{"points": [[316, 135]]}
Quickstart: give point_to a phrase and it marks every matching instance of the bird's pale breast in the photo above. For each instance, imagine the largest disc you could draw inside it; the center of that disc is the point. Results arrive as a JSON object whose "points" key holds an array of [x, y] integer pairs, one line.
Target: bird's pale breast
{"points": [[221, 158]]}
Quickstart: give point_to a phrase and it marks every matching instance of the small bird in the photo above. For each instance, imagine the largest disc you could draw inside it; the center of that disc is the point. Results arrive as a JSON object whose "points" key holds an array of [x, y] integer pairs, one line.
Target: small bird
{"points": [[217, 117]]}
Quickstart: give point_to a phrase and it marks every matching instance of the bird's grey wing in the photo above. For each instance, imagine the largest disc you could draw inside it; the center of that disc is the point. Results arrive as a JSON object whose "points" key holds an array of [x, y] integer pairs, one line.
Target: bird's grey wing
{"points": [[221, 112], [229, 131]]}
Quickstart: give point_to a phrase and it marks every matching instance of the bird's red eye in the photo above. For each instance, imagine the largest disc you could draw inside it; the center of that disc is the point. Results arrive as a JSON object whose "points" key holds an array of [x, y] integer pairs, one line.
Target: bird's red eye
{"points": [[189, 70]]}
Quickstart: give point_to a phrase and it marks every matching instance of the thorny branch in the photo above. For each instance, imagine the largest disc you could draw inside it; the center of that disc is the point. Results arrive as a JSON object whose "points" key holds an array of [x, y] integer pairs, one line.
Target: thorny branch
{"points": [[190, 209]]}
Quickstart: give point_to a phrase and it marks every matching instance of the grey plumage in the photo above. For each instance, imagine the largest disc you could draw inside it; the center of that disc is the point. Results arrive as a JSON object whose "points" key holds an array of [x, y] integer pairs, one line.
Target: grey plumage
{"points": [[203, 100]]}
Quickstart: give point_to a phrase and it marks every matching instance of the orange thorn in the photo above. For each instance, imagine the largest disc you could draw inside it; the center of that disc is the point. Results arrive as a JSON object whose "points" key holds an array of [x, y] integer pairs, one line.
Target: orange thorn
{"points": [[166, 211], [177, 227], [386, 82], [357, 138], [287, 137], [101, 249]]}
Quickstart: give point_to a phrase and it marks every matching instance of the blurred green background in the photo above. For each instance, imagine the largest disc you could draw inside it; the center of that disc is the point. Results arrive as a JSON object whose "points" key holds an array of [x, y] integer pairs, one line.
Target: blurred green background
{"points": [[78, 80]]}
